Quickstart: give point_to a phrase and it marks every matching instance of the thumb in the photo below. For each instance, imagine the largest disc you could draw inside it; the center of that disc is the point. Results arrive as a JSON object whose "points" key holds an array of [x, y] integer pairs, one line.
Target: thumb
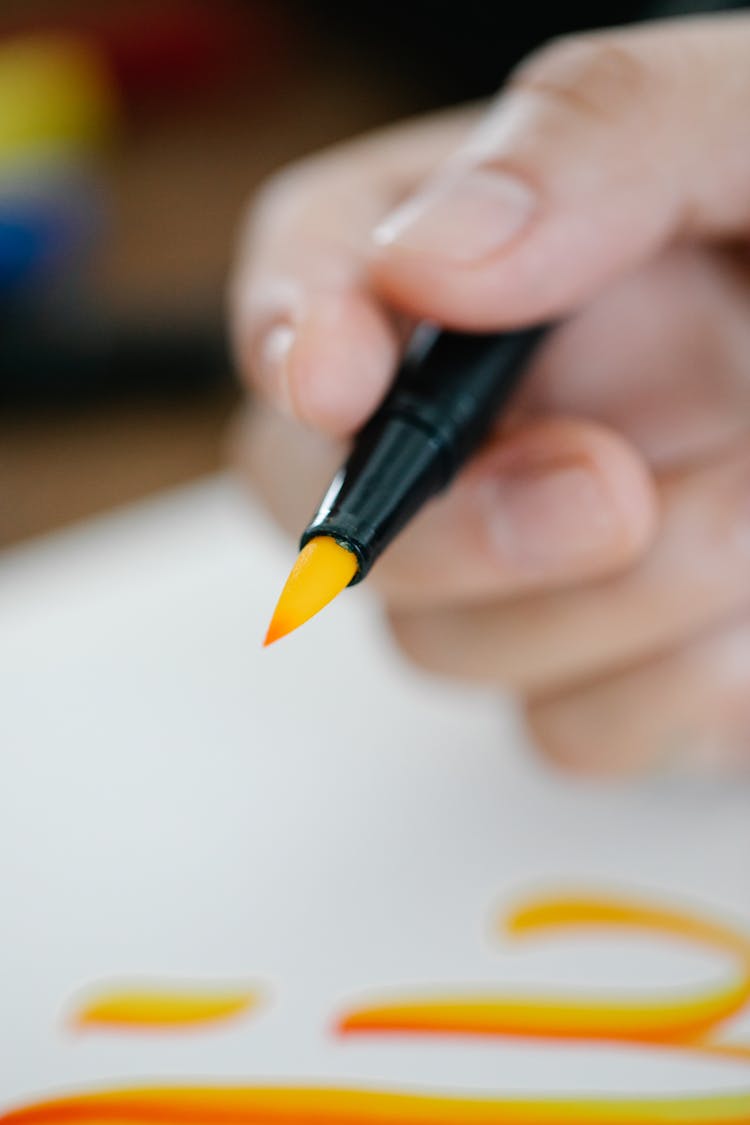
{"points": [[602, 149]]}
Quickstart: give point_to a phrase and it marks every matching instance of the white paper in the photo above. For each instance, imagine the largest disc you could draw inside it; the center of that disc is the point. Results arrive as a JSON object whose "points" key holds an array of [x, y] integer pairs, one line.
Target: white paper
{"points": [[179, 805]]}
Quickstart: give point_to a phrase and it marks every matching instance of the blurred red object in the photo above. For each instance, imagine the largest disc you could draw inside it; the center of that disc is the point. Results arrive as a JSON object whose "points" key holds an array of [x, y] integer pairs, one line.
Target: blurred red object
{"points": [[170, 49]]}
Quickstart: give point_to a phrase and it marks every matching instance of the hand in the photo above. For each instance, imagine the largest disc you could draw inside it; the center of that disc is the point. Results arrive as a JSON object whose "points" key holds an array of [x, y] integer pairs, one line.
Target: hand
{"points": [[595, 557]]}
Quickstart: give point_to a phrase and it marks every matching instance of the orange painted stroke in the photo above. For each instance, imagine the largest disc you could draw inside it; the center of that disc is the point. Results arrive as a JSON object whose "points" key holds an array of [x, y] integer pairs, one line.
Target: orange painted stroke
{"points": [[321, 1106], [672, 1019], [554, 1017], [146, 1008]]}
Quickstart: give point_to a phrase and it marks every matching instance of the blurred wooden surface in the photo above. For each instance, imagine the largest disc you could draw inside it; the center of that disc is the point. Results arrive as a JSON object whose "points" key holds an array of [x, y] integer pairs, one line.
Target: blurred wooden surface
{"points": [[178, 186]]}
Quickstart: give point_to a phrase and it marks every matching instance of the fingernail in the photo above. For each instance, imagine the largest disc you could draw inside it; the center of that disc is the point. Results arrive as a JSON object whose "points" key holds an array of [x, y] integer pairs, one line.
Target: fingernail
{"points": [[462, 221], [271, 362], [548, 517]]}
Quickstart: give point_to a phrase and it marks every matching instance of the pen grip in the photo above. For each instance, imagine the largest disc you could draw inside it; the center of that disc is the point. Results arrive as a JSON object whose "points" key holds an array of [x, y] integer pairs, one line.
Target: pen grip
{"points": [[455, 386], [443, 405]]}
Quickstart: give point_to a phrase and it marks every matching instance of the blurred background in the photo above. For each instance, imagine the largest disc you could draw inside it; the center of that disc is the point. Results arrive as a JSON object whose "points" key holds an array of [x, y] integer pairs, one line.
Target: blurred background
{"points": [[132, 134]]}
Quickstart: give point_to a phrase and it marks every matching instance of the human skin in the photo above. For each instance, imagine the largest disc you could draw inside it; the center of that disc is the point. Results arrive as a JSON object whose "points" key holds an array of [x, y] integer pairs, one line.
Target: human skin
{"points": [[594, 558]]}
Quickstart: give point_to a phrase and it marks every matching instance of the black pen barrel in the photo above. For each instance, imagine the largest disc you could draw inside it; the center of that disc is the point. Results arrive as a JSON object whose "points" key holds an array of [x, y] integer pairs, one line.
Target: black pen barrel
{"points": [[443, 405]]}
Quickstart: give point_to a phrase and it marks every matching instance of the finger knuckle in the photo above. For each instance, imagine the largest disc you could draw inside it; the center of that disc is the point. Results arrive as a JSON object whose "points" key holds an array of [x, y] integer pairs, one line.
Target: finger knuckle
{"points": [[595, 76], [285, 189]]}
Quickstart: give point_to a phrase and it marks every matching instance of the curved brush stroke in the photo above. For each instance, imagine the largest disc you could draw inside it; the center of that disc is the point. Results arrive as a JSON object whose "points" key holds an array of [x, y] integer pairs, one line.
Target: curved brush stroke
{"points": [[143, 1008], [671, 1019], [546, 914], [321, 1106], [554, 1017]]}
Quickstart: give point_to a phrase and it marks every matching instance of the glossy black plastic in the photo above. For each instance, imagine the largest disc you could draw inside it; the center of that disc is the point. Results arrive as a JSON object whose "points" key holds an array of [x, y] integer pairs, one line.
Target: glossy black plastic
{"points": [[441, 408]]}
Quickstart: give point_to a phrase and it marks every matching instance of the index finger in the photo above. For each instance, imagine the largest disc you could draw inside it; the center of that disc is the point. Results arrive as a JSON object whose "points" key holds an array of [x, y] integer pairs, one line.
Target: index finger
{"points": [[604, 148], [309, 332]]}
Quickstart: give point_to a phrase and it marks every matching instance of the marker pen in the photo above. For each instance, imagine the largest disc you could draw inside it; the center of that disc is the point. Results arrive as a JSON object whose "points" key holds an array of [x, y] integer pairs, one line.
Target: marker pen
{"points": [[443, 404]]}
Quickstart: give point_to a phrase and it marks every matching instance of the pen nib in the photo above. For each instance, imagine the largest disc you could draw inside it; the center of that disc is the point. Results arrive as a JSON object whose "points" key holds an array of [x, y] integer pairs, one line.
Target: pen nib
{"points": [[322, 570]]}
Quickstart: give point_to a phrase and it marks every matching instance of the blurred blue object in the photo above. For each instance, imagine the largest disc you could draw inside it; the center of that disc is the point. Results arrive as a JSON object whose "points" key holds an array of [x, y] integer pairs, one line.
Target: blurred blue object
{"points": [[46, 233], [57, 109], [23, 244]]}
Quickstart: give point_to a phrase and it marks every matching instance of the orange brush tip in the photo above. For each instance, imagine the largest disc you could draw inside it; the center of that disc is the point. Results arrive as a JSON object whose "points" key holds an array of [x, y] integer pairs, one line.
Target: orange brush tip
{"points": [[322, 570]]}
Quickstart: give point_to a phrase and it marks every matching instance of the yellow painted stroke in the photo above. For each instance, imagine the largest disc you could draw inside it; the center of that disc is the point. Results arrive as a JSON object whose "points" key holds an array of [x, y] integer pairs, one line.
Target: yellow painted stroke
{"points": [[672, 1019], [543, 915], [320, 1106], [141, 1008]]}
